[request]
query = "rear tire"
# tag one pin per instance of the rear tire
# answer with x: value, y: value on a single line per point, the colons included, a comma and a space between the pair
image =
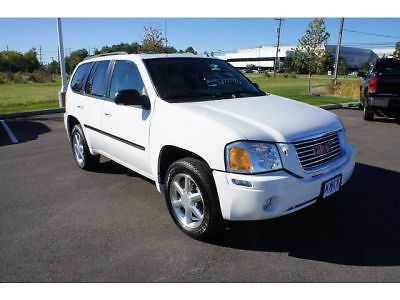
x: 192, y: 199
x: 83, y: 158
x: 368, y: 114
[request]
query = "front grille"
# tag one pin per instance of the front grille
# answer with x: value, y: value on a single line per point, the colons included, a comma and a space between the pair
x: 318, y: 151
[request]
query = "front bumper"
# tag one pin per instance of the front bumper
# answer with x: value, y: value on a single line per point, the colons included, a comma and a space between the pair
x: 286, y: 192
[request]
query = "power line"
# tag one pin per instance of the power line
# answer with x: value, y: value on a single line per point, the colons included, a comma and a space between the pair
x: 373, y: 34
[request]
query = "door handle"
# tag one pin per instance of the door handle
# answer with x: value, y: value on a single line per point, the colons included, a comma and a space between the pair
x: 79, y: 106
x: 107, y: 115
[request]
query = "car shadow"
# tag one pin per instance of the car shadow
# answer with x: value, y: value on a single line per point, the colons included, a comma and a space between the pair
x: 24, y: 130
x: 358, y: 226
x: 110, y: 167
x: 387, y: 120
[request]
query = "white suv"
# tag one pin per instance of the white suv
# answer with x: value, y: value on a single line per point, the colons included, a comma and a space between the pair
x: 217, y: 146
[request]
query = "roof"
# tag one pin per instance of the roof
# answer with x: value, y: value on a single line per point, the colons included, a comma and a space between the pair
x: 141, y: 56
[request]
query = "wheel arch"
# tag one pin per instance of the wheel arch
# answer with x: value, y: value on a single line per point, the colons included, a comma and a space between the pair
x: 71, y: 122
x: 169, y: 154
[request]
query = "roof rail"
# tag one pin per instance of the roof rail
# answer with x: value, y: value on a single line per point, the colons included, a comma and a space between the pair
x: 105, y: 54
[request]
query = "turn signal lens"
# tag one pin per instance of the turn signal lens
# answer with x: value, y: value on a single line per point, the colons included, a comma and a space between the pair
x: 239, y: 159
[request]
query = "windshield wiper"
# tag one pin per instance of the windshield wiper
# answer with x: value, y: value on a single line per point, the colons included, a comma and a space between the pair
x: 190, y: 95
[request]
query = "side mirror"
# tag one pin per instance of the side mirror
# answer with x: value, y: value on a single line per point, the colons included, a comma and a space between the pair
x: 361, y: 74
x: 132, y: 98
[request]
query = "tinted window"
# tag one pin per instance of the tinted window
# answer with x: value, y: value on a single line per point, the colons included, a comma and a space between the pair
x: 196, y: 79
x: 95, y: 84
x: 126, y: 76
x: 388, y: 66
x: 77, y: 81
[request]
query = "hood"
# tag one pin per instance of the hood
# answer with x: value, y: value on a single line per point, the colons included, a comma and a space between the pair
x: 267, y: 118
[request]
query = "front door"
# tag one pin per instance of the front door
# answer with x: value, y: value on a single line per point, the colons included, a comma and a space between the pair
x: 126, y: 128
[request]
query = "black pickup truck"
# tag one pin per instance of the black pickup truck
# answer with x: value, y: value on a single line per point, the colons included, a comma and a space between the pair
x: 380, y: 89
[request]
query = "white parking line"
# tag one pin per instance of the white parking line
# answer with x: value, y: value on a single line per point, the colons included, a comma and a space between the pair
x: 9, y: 132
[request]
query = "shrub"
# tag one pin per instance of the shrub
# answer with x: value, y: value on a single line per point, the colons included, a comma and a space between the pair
x: 3, y: 77
x: 38, y: 76
x: 266, y: 74
x: 20, y: 78
x: 347, y: 88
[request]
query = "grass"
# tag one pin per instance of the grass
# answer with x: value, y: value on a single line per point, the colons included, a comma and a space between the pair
x: 297, y: 88
x: 17, y: 97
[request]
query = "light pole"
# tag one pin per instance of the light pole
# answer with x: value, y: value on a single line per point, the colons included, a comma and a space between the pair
x: 61, y: 94
x: 276, y: 64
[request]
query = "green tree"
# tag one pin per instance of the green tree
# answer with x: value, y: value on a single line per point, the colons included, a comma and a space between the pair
x: 327, y: 63
x: 12, y: 60
x: 52, y: 68
x: 296, y: 62
x: 313, y: 43
x: 129, y: 48
x: 396, y: 52
x: 31, y: 62
x: 152, y: 41
x: 342, y: 66
x: 190, y: 50
x: 75, y: 57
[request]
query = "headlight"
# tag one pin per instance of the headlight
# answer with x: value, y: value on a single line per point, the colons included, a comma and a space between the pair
x: 252, y: 157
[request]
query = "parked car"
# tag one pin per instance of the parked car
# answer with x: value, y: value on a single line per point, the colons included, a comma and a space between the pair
x: 216, y: 146
x: 380, y: 89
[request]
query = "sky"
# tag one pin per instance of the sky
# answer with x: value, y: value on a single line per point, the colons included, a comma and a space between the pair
x: 202, y: 34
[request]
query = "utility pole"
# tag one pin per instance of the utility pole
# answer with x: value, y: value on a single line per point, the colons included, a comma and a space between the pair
x: 8, y: 58
x: 40, y: 55
x: 61, y: 94
x: 338, y: 49
x: 276, y: 64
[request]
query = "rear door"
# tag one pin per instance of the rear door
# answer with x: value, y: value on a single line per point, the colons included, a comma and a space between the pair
x: 126, y: 128
x: 94, y: 91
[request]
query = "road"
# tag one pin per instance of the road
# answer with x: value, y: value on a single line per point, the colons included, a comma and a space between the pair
x: 61, y: 224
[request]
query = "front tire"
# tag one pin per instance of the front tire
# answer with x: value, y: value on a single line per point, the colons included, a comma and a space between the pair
x: 192, y: 199
x: 83, y: 158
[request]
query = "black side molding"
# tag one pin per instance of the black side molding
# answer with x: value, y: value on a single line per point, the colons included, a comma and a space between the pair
x: 140, y: 147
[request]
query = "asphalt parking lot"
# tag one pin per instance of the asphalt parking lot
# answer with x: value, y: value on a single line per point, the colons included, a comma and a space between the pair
x: 61, y: 224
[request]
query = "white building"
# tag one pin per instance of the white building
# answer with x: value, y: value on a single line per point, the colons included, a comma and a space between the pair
x: 384, y: 51
x: 264, y: 56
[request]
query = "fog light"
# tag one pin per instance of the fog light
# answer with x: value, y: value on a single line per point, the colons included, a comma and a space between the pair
x: 242, y: 182
x: 267, y: 203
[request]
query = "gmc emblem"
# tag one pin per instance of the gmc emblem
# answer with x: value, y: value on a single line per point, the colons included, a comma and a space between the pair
x: 322, y: 149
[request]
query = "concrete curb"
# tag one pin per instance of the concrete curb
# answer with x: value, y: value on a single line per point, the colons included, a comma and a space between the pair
x: 33, y: 113
x: 339, y: 105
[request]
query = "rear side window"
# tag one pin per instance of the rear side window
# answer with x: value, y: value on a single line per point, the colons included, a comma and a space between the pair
x: 126, y: 76
x: 78, y: 79
x: 96, y: 83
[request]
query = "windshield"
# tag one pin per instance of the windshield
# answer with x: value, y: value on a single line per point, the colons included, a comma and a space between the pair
x: 198, y: 79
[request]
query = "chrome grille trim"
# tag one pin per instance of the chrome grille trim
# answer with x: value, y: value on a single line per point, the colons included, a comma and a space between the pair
x: 305, y: 150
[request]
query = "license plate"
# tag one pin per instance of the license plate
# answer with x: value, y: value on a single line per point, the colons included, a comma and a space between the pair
x: 331, y: 186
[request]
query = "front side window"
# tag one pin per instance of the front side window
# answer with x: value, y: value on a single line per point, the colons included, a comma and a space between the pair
x: 79, y: 77
x: 96, y: 83
x: 126, y: 76
x: 198, y: 79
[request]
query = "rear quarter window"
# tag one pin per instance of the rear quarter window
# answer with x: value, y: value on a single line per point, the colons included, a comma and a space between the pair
x: 77, y: 82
